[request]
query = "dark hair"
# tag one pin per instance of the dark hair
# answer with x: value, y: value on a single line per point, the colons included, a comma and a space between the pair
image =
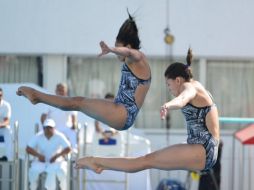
x: 179, y: 69
x: 128, y: 33
x: 109, y: 96
x: 1, y: 90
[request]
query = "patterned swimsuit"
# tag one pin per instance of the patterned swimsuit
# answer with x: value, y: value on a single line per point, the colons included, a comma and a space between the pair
x: 126, y: 94
x: 198, y: 132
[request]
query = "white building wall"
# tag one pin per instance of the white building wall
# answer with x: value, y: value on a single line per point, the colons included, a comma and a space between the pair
x: 211, y: 28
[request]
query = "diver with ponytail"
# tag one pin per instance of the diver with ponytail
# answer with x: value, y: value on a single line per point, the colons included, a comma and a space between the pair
x: 200, y: 113
x: 134, y: 85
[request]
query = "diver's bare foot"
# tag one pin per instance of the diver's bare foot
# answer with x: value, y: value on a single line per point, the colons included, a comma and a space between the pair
x: 88, y: 162
x: 29, y: 93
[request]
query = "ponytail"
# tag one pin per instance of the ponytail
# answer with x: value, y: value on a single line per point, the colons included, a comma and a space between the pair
x: 189, y: 57
x: 178, y: 69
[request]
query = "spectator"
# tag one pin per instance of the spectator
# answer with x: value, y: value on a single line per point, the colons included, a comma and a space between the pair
x: 5, y: 130
x: 49, y: 147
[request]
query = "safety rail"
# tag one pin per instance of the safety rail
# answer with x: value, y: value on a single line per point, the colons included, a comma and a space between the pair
x: 241, y: 120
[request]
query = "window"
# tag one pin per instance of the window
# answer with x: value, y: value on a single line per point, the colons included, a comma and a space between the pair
x: 19, y: 69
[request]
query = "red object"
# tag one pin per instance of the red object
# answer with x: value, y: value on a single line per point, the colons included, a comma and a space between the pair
x: 246, y: 135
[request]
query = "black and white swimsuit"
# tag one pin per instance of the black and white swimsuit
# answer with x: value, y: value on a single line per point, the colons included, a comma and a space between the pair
x: 126, y: 94
x: 198, y: 132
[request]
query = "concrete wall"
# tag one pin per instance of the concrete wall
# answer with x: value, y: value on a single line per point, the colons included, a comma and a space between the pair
x: 211, y: 28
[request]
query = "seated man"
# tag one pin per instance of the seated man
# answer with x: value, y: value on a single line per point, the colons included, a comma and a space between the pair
x: 49, y: 147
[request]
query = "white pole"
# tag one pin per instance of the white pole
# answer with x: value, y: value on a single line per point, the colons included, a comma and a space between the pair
x: 26, y: 168
x: 84, y: 153
x: 16, y: 157
x: 126, y: 155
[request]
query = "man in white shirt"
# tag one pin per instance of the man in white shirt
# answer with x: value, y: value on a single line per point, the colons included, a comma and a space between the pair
x: 66, y: 121
x: 5, y: 130
x: 49, y: 147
